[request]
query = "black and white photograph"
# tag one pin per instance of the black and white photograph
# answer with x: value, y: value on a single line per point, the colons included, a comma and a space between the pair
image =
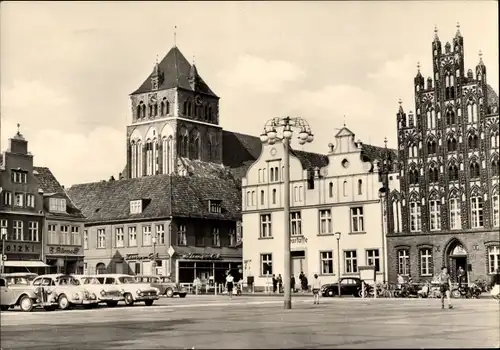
x: 249, y: 175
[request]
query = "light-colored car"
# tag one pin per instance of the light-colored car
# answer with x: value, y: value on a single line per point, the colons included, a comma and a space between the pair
x: 68, y: 290
x: 164, y: 284
x: 106, y: 293
x: 25, y: 296
x: 21, y: 278
x: 132, y: 290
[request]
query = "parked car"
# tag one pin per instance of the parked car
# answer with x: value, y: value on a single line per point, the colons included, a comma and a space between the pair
x: 21, y: 278
x: 164, y: 284
x: 68, y: 290
x: 132, y: 290
x: 25, y: 296
x: 348, y: 286
x: 106, y: 293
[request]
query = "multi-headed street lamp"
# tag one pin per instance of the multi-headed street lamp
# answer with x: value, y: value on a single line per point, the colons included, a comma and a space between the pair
x: 280, y: 129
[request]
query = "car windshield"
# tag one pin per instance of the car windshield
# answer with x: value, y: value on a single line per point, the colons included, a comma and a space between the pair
x: 67, y: 281
x: 128, y: 280
x: 90, y: 280
x: 23, y: 281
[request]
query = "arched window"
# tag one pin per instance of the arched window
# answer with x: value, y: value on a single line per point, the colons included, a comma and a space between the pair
x: 210, y: 113
x: 261, y: 197
x: 167, y: 155
x: 140, y: 169
x: 155, y: 109
x: 209, y: 150
x: 330, y: 189
x: 150, y: 106
x: 133, y: 160
x: 360, y: 187
x: 494, y: 167
x: 453, y: 172
x: 149, y: 158
x: 167, y: 107
x: 431, y: 147
x: 274, y: 196
x: 474, y: 169
x: 473, y: 141
x: 100, y: 269
x: 450, y: 117
x: 143, y: 111
x: 494, y: 139
x: 189, y: 109
x: 194, y: 151
x: 185, y: 108
x: 452, y: 144
x: 139, y: 109
x: 433, y: 174
x: 413, y: 176
x: 183, y: 143
x: 162, y: 108
x: 413, y: 150
x: 344, y: 188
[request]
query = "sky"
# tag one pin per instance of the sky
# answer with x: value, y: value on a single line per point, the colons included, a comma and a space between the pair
x: 67, y: 69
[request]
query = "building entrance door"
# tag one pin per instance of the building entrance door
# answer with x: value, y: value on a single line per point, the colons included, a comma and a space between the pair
x: 299, y: 264
x: 457, y: 258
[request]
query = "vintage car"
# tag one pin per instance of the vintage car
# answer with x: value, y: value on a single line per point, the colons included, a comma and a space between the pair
x: 106, y: 293
x: 21, y: 278
x: 164, y: 284
x: 25, y: 296
x: 68, y: 290
x: 132, y: 290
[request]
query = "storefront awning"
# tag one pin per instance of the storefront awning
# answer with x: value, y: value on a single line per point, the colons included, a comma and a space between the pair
x: 24, y: 263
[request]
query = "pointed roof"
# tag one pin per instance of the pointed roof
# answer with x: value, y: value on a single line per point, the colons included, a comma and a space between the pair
x: 176, y: 71
x: 344, y: 132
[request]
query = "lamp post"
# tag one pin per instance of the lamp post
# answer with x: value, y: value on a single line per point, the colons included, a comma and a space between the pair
x: 270, y: 135
x: 154, y: 255
x: 337, y: 235
x: 3, y: 233
x: 381, y: 195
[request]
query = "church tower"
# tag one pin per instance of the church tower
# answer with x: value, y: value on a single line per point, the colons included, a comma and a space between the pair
x: 175, y: 117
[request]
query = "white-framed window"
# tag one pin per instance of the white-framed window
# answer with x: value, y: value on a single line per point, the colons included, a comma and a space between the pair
x: 52, y: 231
x: 455, y: 218
x: 136, y: 207
x: 232, y: 237
x: 295, y: 224
x: 33, y: 231
x: 373, y: 258
x: 415, y: 217
x: 215, y: 237
x: 265, y: 226
x: 350, y: 261
x: 75, y: 235
x: 4, y: 223
x: 435, y: 215
x: 101, y: 238
x: 404, y: 262
x: 119, y: 237
x: 493, y: 259
x: 496, y: 210
x: 182, y: 235
x: 146, y: 236
x: 19, y: 199
x: 18, y: 230
x: 326, y: 262
x: 19, y: 177
x: 266, y: 264
x: 325, y: 221
x: 57, y: 204
x: 65, y: 237
x: 215, y: 206
x: 160, y: 234
x: 132, y: 236
x: 357, y: 222
x: 476, y: 207
x: 30, y: 200
x: 85, y: 239
x: 426, y: 262
x: 7, y: 198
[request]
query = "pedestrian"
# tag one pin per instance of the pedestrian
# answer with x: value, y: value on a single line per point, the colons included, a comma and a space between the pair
x: 280, y: 283
x: 445, y: 287
x: 460, y: 276
x: 275, y: 283
x: 292, y: 284
x: 304, y: 284
x: 316, y: 286
x: 229, y: 285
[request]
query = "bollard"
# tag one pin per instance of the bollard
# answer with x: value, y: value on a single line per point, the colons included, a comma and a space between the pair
x: 215, y: 288
x: 362, y: 290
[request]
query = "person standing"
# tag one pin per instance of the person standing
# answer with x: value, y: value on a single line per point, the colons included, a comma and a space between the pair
x: 460, y: 276
x: 275, y: 283
x: 316, y: 286
x: 445, y: 287
x: 292, y: 284
x: 230, y: 285
x: 304, y: 284
x: 280, y: 283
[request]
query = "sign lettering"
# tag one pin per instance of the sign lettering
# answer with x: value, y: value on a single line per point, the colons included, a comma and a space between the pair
x: 299, y: 240
x: 22, y: 248
x: 142, y: 257
x: 197, y: 256
x: 64, y: 250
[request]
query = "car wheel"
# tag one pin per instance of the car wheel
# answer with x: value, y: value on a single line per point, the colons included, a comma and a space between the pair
x: 63, y: 302
x: 112, y: 303
x: 4, y: 307
x: 183, y: 295
x: 129, y: 299
x: 26, y: 303
x: 330, y: 293
x: 149, y: 302
x: 456, y: 294
x: 169, y: 293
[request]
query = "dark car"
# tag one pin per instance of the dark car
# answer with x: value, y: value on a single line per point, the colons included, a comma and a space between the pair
x: 348, y: 286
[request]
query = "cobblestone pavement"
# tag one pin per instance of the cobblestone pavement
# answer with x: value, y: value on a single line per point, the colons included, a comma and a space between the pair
x: 215, y: 322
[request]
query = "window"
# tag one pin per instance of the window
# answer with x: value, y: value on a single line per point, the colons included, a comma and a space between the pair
x: 426, y: 262
x: 146, y: 236
x: 493, y: 259
x: 132, y: 236
x: 262, y: 197
x: 344, y: 188
x: 33, y: 231
x: 350, y: 261
x: 75, y: 235
x: 216, y: 206
x: 232, y: 237
x: 496, y: 210
x: 477, y: 219
x: 101, y: 238
x: 431, y: 147
x: 19, y: 199
x: 373, y: 259
x: 136, y: 207
x: 433, y: 174
x: 266, y: 264
x: 455, y: 219
x: 310, y: 179
x: 330, y: 189
x: 325, y: 221
x: 160, y: 234
x: 413, y: 175
x: 52, y: 231
x: 474, y: 169
x: 182, y: 235
x: 19, y: 177
x: 326, y: 262
x: 435, y: 215
x: 265, y: 226
x: 453, y: 173
x: 274, y: 174
x: 473, y: 142
x: 57, y: 204
x: 452, y: 144
x: 119, y: 237
x: 357, y: 224
x: 274, y: 196
x: 295, y: 224
x: 7, y: 198
x: 215, y: 237
x: 494, y: 167
x: 404, y: 262
x: 412, y: 151
x: 494, y: 139
x: 415, y: 217
x: 30, y: 200
x: 450, y: 118
x: 360, y: 187
x: 85, y: 239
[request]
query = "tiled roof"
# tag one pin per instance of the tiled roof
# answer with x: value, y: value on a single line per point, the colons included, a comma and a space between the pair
x: 310, y: 160
x: 49, y: 184
x: 175, y: 71
x: 377, y: 153
x: 164, y: 195
x: 492, y: 96
x: 206, y: 169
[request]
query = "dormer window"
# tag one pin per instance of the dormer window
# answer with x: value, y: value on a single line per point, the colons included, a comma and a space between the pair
x: 57, y: 204
x: 215, y: 206
x: 18, y: 176
x: 136, y: 207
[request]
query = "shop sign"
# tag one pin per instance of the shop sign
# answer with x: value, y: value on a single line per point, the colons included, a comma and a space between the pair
x: 298, y: 240
x: 142, y: 257
x: 21, y: 248
x: 64, y: 250
x: 197, y: 256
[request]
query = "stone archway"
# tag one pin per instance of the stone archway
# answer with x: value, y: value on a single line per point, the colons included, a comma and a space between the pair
x: 455, y: 256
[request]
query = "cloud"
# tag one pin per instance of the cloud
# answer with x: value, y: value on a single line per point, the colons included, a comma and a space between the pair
x: 258, y: 75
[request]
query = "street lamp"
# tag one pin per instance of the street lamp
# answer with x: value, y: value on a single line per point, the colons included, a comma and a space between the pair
x: 154, y: 255
x: 270, y: 135
x: 337, y: 235
x: 3, y: 233
x: 381, y: 194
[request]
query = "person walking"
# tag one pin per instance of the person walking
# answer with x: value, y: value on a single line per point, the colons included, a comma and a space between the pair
x: 316, y: 286
x: 445, y: 287
x: 275, y: 283
x: 280, y: 283
x: 460, y: 276
x: 229, y: 285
